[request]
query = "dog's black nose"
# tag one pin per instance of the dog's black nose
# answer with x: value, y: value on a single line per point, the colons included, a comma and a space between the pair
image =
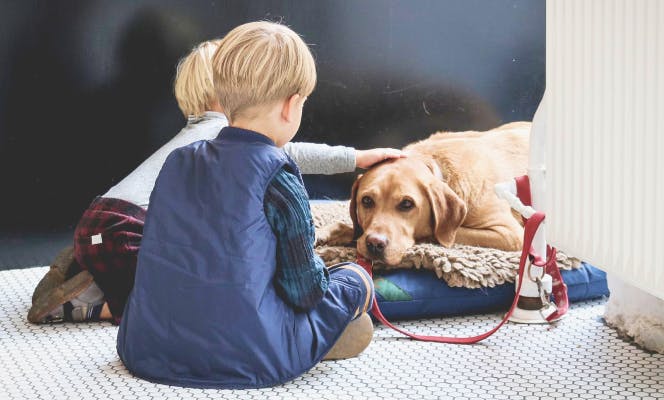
x: 376, y: 244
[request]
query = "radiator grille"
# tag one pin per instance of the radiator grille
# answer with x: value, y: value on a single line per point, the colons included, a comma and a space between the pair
x: 604, y: 146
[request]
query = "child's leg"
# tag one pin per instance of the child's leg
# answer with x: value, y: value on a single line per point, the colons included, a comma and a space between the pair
x: 106, y: 244
x: 359, y: 332
x: 105, y: 312
x: 107, y: 240
x: 350, y: 273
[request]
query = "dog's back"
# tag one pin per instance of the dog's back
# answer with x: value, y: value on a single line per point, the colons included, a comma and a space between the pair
x: 495, y: 155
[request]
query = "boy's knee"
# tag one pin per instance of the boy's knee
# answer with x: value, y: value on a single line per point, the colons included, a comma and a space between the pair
x: 353, y: 271
x: 362, y: 279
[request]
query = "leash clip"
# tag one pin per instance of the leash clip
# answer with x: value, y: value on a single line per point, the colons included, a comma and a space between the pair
x: 546, y: 302
x: 530, y: 275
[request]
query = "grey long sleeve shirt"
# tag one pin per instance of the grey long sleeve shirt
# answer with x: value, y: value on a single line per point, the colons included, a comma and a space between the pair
x: 311, y: 158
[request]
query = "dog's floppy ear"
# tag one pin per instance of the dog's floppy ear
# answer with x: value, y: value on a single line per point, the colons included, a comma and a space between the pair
x: 435, y: 169
x: 448, y: 212
x: 357, y: 229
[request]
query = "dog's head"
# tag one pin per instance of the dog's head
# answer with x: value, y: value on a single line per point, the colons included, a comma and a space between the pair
x: 398, y: 203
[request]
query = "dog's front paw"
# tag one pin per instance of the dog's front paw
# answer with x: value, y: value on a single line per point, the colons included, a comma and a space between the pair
x: 337, y: 234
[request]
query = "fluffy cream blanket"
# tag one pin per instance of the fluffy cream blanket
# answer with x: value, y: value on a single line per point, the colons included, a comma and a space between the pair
x: 460, y: 266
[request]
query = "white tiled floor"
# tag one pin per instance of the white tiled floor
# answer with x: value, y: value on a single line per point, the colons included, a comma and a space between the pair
x: 578, y: 358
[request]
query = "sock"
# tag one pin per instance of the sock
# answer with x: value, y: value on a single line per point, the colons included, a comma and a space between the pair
x: 87, y: 312
x: 86, y: 306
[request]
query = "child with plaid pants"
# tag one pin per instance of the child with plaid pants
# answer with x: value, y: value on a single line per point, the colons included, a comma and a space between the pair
x: 92, y: 280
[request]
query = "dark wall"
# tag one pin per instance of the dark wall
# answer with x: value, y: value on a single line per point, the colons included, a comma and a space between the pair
x: 85, y: 86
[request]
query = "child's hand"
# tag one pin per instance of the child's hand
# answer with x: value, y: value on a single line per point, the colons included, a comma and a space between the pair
x: 366, y: 158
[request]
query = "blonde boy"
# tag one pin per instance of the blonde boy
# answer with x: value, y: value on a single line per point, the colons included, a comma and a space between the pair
x: 228, y: 291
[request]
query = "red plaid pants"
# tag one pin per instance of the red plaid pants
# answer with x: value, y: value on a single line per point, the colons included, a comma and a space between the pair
x: 106, y: 243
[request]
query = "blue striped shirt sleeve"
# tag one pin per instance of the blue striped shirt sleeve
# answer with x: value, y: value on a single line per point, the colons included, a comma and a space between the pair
x: 301, y: 277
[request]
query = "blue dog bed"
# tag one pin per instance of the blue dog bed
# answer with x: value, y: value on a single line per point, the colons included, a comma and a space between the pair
x: 408, y: 293
x: 404, y: 294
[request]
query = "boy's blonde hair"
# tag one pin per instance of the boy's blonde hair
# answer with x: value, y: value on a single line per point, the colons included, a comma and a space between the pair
x: 194, y: 89
x: 259, y: 63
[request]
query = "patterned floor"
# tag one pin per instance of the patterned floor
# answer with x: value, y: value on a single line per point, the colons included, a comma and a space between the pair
x: 578, y: 358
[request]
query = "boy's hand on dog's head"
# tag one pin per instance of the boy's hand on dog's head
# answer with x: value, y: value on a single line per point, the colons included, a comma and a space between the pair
x: 366, y: 158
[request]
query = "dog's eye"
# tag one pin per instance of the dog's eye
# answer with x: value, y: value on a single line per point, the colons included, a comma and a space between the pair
x: 406, y: 205
x: 367, y: 202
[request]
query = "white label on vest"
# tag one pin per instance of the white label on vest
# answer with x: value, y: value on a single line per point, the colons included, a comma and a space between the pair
x: 96, y: 239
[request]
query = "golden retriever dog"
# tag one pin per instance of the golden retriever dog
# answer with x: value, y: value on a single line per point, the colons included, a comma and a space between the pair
x: 443, y: 192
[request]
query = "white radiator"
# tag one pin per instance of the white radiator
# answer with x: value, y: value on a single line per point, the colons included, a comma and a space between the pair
x: 605, y: 135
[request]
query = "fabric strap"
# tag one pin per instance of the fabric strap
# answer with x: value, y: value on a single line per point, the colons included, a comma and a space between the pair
x: 559, y: 288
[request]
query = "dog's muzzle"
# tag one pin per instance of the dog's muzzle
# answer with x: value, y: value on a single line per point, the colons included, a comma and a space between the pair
x: 376, y: 244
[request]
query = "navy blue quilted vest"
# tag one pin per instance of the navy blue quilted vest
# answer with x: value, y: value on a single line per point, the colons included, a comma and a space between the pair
x: 204, y: 311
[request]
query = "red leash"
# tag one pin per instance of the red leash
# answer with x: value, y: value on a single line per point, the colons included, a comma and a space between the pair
x: 560, y: 291
x: 559, y: 288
